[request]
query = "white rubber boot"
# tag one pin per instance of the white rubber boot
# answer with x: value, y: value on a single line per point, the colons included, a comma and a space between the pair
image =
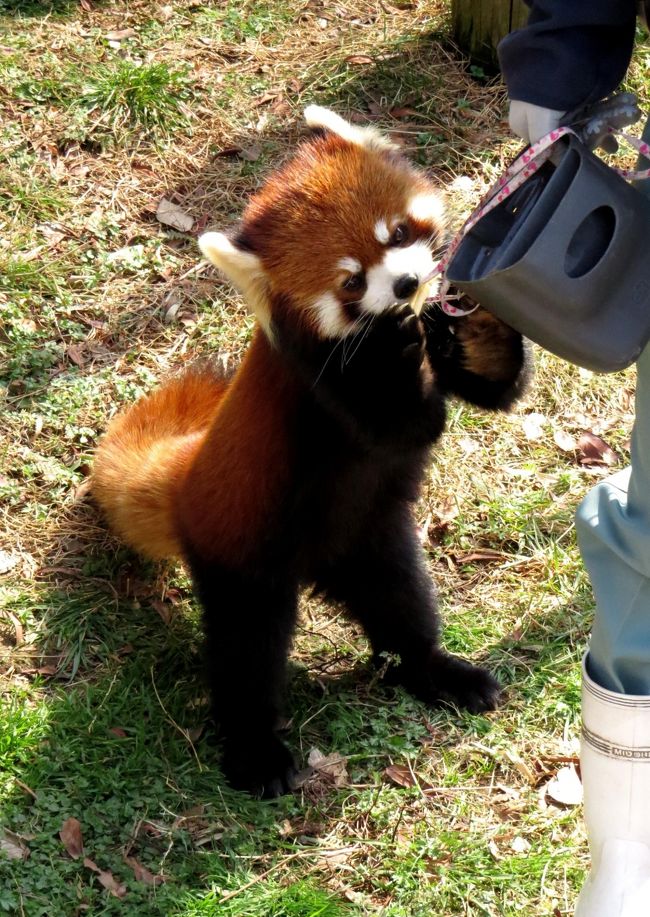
x: 615, y: 766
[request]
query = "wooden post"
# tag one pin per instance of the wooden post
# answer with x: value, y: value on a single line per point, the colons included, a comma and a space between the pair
x: 479, y: 25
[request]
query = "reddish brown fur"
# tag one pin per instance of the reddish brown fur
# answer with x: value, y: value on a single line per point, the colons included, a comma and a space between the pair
x: 343, y: 190
x: 144, y: 455
x: 235, y: 479
x: 199, y: 457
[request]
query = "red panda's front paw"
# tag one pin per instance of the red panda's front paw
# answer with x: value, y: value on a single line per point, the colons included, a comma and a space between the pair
x: 409, y: 336
x: 447, y: 679
x: 396, y: 342
x: 260, y: 765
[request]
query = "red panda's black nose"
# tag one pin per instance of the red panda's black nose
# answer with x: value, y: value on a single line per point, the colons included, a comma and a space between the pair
x: 405, y: 286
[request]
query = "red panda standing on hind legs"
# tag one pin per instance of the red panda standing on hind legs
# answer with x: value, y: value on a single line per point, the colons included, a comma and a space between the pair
x: 303, y: 469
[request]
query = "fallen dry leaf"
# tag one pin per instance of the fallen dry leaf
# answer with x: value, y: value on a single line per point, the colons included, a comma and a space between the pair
x: 404, y: 112
x: 264, y: 99
x: 170, y: 214
x: 593, y: 450
x: 82, y: 491
x: 339, y: 856
x: 107, y: 879
x: 164, y: 609
x: 564, y: 441
x: 566, y: 787
x: 334, y: 765
x: 520, y: 844
x: 468, y: 445
x: 360, y: 59
x: 400, y: 775
x: 494, y: 850
x: 75, y: 354
x: 142, y: 874
x: 521, y: 766
x: 251, y: 153
x: 70, y: 835
x: 120, y: 34
x: 485, y: 555
x: 12, y: 846
x: 19, y: 633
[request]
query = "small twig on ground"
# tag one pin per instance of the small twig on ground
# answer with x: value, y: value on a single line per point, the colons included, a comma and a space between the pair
x: 180, y: 729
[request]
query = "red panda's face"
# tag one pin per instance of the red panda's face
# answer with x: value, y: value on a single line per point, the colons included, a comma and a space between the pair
x: 342, y: 232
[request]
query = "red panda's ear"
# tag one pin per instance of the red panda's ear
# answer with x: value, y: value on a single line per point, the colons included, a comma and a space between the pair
x: 239, y: 264
x: 244, y: 270
x: 368, y: 137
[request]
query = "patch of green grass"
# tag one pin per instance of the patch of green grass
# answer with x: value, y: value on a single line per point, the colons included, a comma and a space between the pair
x: 127, y: 95
x: 235, y: 22
x: 27, y: 197
x: 37, y: 8
x: 300, y: 899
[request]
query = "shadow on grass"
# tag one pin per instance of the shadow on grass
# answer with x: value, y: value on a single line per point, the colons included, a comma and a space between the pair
x: 121, y: 742
x: 35, y: 9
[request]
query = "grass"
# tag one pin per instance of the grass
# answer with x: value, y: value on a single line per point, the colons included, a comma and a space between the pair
x: 102, y: 709
x: 135, y: 95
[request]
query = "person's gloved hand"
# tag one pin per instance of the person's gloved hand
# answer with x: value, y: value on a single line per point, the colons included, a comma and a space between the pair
x: 531, y: 122
x: 594, y: 123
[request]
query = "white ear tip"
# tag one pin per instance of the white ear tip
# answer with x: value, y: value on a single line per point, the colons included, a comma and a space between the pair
x: 317, y: 116
x: 312, y: 113
x: 211, y: 242
x: 367, y: 137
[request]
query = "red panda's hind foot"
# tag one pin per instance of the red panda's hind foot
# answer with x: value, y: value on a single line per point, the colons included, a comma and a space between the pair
x: 444, y: 679
x: 261, y: 765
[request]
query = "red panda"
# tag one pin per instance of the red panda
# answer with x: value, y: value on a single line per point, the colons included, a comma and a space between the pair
x: 302, y: 470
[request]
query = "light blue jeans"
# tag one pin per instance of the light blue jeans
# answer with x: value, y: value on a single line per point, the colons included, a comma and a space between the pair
x: 613, y: 525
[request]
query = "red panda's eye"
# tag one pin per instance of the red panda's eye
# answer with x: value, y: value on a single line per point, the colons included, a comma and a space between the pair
x: 400, y: 235
x: 354, y: 282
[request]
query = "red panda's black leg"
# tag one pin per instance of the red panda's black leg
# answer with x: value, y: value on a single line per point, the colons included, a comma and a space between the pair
x: 384, y: 585
x: 248, y: 623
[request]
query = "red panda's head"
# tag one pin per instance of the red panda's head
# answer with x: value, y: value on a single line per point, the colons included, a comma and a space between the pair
x: 345, y: 229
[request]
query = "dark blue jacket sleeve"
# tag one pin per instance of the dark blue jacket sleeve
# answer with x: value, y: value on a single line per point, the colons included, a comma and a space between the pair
x: 571, y: 51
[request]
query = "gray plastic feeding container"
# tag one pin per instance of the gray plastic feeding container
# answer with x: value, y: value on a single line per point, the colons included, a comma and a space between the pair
x: 566, y: 261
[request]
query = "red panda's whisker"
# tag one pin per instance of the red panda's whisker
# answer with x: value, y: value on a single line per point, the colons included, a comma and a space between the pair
x: 324, y: 366
x: 351, y: 338
x: 361, y: 335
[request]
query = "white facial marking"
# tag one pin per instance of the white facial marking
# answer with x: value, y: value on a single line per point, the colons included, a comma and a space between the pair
x: 350, y: 264
x: 329, y: 315
x: 429, y: 208
x: 413, y: 259
x: 382, y: 235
